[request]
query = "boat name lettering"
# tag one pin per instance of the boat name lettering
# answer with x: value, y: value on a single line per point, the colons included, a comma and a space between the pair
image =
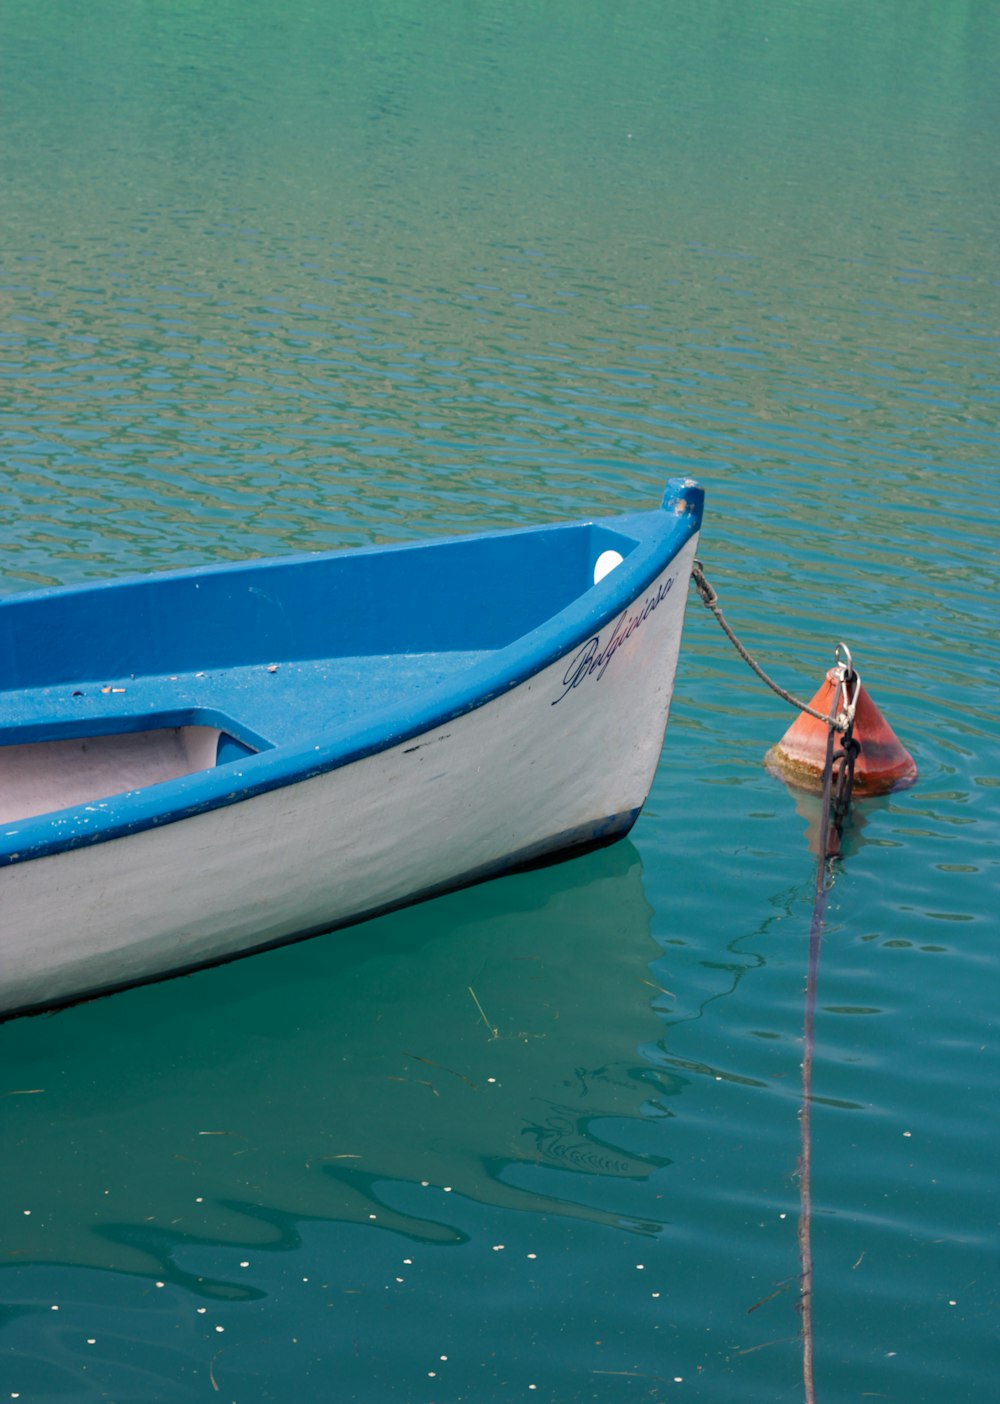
x: 593, y: 660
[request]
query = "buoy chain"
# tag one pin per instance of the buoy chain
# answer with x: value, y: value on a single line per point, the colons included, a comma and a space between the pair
x: 843, y: 788
x: 841, y: 722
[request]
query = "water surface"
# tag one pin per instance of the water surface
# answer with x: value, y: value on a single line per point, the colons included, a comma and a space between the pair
x: 339, y: 274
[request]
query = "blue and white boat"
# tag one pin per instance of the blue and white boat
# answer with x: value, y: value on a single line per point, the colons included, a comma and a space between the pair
x: 203, y: 763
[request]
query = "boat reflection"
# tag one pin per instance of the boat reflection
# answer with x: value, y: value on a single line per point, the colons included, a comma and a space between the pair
x: 484, y: 1044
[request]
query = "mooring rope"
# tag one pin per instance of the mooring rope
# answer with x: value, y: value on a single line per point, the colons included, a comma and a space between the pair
x: 840, y: 722
x: 835, y: 805
x: 838, y: 782
x: 805, y: 1111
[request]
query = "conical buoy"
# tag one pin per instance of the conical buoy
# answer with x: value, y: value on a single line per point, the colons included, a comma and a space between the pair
x: 883, y: 762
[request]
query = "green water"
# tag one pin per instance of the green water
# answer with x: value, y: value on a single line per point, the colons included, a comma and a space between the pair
x: 286, y: 276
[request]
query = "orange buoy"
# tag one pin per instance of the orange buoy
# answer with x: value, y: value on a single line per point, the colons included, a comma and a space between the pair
x: 883, y: 762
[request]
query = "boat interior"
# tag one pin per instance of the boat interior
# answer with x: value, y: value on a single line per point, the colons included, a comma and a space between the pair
x: 115, y: 687
x: 103, y: 740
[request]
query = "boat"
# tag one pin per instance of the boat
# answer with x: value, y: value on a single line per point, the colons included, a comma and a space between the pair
x: 199, y: 764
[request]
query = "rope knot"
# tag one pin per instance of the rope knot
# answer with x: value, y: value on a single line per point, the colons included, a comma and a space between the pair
x: 702, y: 586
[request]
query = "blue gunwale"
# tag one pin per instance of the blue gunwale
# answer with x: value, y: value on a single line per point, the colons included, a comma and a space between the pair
x: 648, y: 541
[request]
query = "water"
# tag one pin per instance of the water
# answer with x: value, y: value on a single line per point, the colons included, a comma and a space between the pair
x: 322, y: 274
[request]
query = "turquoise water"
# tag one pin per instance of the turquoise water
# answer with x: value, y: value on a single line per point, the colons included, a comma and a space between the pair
x: 282, y: 277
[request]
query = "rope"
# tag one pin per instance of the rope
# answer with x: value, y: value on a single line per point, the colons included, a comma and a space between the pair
x: 805, y: 1111
x: 841, y: 722
x: 838, y: 781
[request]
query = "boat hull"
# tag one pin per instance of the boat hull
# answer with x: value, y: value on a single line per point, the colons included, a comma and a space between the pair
x: 562, y: 761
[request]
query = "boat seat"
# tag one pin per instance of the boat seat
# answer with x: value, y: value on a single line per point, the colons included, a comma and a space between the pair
x: 76, y: 742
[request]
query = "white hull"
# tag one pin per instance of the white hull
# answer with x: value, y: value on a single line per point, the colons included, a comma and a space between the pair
x: 537, y: 769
